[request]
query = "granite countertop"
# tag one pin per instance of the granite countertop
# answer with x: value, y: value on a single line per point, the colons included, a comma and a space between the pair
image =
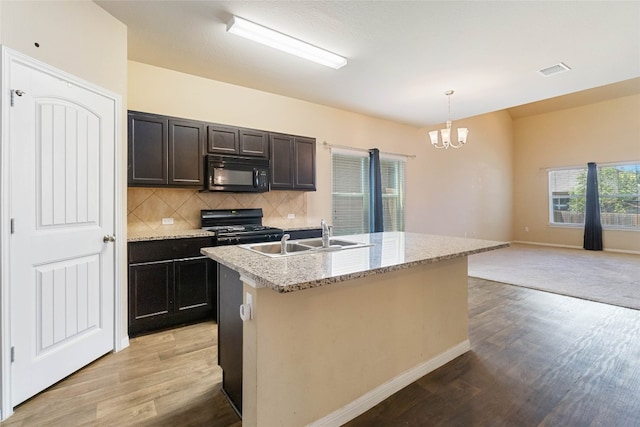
x: 390, y: 251
x: 143, y: 236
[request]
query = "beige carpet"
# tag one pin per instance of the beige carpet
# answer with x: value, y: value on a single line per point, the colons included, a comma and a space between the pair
x: 608, y: 277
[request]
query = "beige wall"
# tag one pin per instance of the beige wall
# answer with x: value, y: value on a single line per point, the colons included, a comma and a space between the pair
x: 474, y: 199
x: 82, y: 39
x: 603, y: 132
x: 466, y: 192
x: 78, y: 37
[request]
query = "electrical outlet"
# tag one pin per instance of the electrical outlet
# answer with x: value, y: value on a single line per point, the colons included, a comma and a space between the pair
x: 526, y: 229
x: 291, y: 216
x: 167, y: 221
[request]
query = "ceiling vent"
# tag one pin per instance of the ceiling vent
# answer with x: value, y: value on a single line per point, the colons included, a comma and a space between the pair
x: 560, y: 67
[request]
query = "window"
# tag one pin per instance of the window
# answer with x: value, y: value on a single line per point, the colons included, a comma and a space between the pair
x: 618, y: 188
x: 350, y: 192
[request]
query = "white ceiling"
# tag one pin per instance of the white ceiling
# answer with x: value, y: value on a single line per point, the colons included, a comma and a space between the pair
x: 403, y: 55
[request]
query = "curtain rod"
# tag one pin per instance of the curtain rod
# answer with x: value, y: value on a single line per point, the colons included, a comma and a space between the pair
x: 326, y: 144
x: 584, y: 166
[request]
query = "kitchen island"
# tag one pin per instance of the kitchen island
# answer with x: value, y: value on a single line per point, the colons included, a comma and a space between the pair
x: 333, y: 333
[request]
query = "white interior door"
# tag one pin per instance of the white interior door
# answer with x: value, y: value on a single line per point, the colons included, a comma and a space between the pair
x: 62, y: 143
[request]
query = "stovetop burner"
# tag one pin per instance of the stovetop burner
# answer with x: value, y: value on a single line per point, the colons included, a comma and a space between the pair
x: 228, y: 229
x: 234, y: 226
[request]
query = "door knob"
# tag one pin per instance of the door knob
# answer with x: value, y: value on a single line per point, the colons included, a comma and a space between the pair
x: 108, y: 239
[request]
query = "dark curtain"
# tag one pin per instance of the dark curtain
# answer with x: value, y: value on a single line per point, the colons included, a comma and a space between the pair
x: 375, y: 193
x: 592, y: 224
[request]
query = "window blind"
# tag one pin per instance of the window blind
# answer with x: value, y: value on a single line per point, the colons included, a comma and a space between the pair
x: 350, y: 192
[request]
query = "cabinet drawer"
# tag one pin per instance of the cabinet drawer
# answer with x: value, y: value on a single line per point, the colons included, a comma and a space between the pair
x: 159, y: 250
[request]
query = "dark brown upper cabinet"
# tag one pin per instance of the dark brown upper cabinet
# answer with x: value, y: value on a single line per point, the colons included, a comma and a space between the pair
x: 164, y: 151
x: 186, y: 142
x: 232, y: 140
x: 148, y: 149
x: 293, y: 162
x: 223, y: 139
x: 254, y: 143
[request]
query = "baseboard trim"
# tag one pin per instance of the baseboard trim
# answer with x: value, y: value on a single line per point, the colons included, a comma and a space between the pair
x: 383, y: 391
x: 553, y: 245
x: 124, y: 343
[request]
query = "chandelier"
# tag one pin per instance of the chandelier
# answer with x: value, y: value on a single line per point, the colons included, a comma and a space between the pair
x: 446, y: 133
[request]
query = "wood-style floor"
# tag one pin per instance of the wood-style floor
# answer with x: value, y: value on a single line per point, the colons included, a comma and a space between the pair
x: 164, y: 379
x: 537, y: 359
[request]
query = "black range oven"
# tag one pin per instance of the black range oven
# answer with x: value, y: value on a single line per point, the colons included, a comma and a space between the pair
x: 238, y: 226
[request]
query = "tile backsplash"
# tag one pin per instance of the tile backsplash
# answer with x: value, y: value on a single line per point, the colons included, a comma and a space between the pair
x: 146, y: 207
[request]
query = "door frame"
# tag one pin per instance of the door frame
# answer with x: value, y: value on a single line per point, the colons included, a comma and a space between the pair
x: 120, y: 338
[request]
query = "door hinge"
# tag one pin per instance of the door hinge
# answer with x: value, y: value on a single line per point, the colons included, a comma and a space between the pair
x: 13, y: 354
x: 13, y: 225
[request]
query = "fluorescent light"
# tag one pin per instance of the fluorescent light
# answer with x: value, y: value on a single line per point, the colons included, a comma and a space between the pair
x: 283, y: 42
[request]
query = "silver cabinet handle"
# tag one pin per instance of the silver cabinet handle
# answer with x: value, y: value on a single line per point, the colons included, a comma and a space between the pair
x: 107, y: 239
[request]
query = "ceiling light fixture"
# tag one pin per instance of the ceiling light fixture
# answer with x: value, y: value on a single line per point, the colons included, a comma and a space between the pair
x: 283, y: 42
x: 446, y: 133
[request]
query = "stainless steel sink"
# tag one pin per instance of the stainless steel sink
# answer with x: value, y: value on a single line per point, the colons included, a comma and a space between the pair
x: 317, y: 242
x: 276, y: 248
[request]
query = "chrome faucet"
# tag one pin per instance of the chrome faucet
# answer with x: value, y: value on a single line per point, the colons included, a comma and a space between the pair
x: 326, y: 234
x: 283, y: 244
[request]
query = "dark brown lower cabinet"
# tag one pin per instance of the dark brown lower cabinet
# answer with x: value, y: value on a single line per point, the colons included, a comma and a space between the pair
x: 170, y: 283
x: 304, y: 234
x: 230, y: 334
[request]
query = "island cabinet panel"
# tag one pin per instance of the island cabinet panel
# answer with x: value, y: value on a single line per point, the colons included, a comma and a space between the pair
x: 170, y: 283
x: 293, y: 162
x: 230, y: 334
x: 164, y: 151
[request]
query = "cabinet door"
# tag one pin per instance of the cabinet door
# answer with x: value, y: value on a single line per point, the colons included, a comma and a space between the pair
x: 150, y: 291
x: 254, y: 143
x: 304, y: 153
x: 186, y: 144
x: 194, y: 279
x: 148, y: 142
x: 223, y: 139
x: 282, y: 166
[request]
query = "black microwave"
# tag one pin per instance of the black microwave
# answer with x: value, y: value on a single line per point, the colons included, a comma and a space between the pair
x: 237, y: 174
